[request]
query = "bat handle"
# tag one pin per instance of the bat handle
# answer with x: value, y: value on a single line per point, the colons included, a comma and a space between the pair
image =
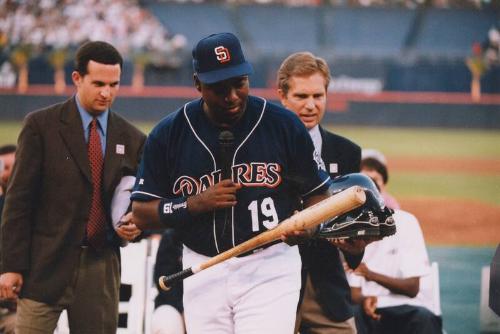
x: 166, y: 282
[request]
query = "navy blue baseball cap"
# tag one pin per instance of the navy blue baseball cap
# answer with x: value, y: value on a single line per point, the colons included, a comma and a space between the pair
x: 219, y: 57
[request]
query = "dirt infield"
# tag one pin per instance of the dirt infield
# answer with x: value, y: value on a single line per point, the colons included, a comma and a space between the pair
x: 456, y: 222
x: 451, y: 221
x: 426, y: 164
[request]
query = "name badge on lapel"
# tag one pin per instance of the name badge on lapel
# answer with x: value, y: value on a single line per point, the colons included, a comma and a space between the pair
x: 334, y: 168
x: 120, y: 149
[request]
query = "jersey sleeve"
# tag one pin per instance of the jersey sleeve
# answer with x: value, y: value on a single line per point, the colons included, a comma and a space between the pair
x: 305, y: 171
x: 152, y: 173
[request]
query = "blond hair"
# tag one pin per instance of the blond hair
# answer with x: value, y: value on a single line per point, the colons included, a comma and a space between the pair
x: 301, y: 64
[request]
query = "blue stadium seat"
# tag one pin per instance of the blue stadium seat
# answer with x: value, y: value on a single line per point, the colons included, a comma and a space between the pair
x: 451, y: 32
x: 194, y: 21
x: 371, y: 32
x: 278, y: 29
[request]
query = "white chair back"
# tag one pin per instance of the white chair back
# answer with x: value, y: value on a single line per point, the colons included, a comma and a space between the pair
x: 489, y: 321
x: 133, y: 262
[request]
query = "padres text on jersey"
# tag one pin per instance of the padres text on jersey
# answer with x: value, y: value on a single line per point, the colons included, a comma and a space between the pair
x: 273, y: 161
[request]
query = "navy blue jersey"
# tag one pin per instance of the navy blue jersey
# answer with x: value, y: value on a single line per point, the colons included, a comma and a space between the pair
x: 272, y: 160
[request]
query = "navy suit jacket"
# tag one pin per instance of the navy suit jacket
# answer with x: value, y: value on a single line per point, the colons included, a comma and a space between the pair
x: 320, y: 259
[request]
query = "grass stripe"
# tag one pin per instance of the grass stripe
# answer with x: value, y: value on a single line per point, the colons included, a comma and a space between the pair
x: 431, y: 142
x: 484, y: 188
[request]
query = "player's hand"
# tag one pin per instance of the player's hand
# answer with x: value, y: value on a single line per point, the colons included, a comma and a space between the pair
x: 354, y: 246
x: 363, y: 270
x: 293, y: 238
x: 370, y: 307
x: 219, y: 196
x: 10, y: 285
x: 127, y: 230
x: 297, y: 237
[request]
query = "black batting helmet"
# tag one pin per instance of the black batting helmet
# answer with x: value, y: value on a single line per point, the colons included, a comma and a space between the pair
x: 371, y: 219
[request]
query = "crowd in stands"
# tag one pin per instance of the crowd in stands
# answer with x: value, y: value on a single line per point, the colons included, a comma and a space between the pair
x: 63, y: 24
x: 358, y: 3
x: 44, y: 33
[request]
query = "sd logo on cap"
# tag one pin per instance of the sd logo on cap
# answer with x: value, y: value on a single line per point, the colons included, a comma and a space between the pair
x: 219, y: 57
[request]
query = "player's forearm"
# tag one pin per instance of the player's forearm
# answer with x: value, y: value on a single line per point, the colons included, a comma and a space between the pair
x: 402, y: 286
x: 161, y: 213
x: 146, y: 214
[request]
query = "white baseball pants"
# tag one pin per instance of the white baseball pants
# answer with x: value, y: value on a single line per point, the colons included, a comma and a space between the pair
x: 255, y: 294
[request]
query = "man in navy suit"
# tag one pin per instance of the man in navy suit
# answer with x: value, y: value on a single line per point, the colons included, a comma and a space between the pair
x: 302, y: 86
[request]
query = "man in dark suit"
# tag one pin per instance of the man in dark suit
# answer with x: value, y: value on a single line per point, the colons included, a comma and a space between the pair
x: 302, y: 86
x: 58, y: 247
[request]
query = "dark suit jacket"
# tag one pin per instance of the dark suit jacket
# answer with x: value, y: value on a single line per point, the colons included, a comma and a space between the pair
x: 2, y: 200
x: 49, y: 196
x: 320, y: 259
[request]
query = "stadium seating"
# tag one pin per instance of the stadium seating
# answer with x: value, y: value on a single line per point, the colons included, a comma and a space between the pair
x: 194, y: 21
x: 450, y: 33
x: 407, y: 50
x: 280, y: 30
x: 368, y: 32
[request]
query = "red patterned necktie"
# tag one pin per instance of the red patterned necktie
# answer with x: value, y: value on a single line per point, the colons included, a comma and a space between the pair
x: 96, y: 226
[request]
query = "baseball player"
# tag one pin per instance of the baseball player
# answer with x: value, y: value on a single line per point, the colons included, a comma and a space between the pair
x: 221, y: 170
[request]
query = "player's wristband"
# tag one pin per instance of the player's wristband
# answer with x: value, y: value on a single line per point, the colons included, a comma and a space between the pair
x: 173, y: 211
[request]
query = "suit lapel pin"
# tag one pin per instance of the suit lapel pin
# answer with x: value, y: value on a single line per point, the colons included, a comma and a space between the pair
x: 120, y: 149
x: 334, y: 168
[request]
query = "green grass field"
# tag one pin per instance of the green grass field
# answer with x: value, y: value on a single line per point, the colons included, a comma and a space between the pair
x: 481, y: 188
x: 411, y: 142
x: 435, y: 143
x: 407, y: 142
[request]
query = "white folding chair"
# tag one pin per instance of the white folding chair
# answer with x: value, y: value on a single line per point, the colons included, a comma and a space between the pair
x: 133, y: 263
x: 62, y: 324
x: 151, y: 291
x: 436, y: 292
x: 489, y: 321
x: 430, y: 290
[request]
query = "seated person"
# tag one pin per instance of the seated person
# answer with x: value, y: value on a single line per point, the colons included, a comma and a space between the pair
x: 374, y: 164
x: 388, y: 286
x: 168, y: 314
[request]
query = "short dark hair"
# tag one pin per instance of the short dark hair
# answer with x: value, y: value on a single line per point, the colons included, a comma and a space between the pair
x: 98, y: 51
x: 376, y: 165
x: 7, y: 149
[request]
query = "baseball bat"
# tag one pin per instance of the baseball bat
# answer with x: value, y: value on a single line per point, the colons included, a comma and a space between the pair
x: 310, y: 217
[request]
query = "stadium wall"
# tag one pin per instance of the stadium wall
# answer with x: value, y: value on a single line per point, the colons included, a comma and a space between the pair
x: 385, y: 109
x: 441, y: 75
